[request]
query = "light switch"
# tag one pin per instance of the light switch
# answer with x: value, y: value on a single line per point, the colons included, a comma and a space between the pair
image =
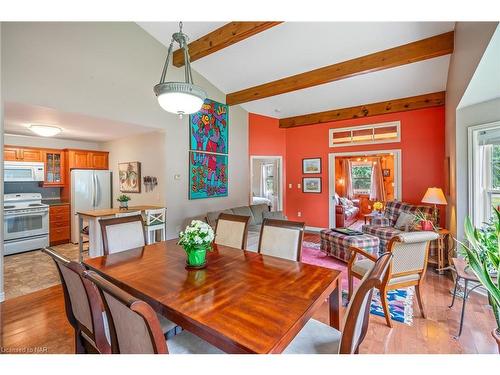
x: 289, y: 186
x: 298, y: 186
x: 177, y: 176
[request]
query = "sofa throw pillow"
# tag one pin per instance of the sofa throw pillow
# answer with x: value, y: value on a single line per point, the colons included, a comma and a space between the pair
x: 344, y: 201
x: 404, y: 221
x: 273, y: 215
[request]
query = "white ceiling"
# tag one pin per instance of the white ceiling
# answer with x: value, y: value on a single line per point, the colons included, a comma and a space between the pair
x: 295, y: 47
x: 485, y: 84
x: 18, y: 117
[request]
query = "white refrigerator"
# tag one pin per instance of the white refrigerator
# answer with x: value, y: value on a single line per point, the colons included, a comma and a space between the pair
x: 90, y: 190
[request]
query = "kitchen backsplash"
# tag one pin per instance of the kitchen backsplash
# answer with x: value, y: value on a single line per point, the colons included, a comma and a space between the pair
x: 31, y: 187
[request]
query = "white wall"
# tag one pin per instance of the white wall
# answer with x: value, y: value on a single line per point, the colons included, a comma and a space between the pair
x: 108, y: 70
x: 43, y: 142
x: 471, y: 40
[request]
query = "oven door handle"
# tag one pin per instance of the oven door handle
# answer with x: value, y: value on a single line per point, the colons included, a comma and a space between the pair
x: 39, y: 213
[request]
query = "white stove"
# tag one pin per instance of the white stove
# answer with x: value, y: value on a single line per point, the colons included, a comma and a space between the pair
x: 26, y: 222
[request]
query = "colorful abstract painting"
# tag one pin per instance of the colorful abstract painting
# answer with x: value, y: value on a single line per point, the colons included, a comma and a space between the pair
x: 207, y: 175
x: 209, y: 128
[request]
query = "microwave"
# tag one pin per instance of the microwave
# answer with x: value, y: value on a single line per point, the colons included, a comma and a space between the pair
x: 21, y: 171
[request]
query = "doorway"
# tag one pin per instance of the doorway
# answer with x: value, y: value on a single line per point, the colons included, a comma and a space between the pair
x: 266, y: 181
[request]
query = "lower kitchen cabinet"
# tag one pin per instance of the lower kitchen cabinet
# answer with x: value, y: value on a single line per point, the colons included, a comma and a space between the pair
x: 59, y: 228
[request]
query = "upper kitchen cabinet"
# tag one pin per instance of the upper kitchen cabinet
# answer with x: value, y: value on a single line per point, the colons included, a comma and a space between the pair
x: 54, y: 168
x: 22, y: 154
x: 82, y: 159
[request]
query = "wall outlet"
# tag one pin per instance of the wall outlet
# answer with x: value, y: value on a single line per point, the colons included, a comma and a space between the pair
x: 289, y: 186
x: 298, y: 186
x: 299, y: 214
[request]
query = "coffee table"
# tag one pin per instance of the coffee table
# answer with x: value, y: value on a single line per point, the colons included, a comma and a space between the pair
x: 370, y: 216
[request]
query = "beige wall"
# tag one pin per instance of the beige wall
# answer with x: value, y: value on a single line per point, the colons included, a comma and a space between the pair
x: 471, y: 40
x: 43, y: 142
x: 150, y: 150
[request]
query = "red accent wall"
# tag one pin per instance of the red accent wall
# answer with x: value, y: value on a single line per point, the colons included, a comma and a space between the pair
x: 422, y: 148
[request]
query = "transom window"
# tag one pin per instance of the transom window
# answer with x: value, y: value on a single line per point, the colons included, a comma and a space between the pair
x: 367, y: 134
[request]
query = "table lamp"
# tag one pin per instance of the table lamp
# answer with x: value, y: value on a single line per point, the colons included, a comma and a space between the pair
x: 434, y: 196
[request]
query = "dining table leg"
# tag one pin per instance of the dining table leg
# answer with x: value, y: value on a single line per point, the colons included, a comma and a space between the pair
x: 335, y: 303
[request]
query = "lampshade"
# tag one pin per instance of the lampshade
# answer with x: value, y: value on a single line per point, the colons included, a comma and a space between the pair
x: 45, y: 130
x: 434, y: 195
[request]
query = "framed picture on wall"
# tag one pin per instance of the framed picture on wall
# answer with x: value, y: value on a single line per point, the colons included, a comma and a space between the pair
x: 386, y: 172
x: 311, y: 184
x: 311, y: 165
x: 129, y: 175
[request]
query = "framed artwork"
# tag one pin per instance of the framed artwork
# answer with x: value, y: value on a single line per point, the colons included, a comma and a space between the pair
x: 311, y: 184
x: 386, y: 172
x: 208, y: 128
x: 311, y: 165
x: 129, y: 175
x: 207, y: 175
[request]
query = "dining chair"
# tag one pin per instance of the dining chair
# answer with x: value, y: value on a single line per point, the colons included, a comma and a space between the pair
x: 154, y: 221
x: 281, y: 238
x: 319, y: 338
x: 232, y: 230
x: 83, y: 305
x: 134, y: 325
x: 410, y: 252
x: 122, y: 233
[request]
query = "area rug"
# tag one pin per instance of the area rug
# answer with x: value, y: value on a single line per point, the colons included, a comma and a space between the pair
x: 400, y: 300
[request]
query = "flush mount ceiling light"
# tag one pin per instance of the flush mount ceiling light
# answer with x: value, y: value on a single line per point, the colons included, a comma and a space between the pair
x: 45, y: 130
x: 179, y: 97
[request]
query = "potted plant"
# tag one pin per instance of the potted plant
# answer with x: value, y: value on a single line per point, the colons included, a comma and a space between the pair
x: 483, y: 256
x: 196, y: 240
x: 422, y: 219
x: 123, y: 199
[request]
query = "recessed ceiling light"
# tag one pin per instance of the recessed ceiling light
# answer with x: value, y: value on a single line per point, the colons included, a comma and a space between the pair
x: 45, y: 130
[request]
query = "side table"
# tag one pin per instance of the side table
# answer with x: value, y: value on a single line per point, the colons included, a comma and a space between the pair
x: 446, y: 245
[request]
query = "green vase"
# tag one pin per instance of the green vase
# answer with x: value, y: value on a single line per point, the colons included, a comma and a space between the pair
x: 196, y: 256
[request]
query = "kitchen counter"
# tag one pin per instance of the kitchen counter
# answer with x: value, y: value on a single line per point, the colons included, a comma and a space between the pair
x: 55, y: 202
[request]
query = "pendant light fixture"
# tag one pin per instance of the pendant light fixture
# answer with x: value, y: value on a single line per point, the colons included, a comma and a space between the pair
x: 179, y: 97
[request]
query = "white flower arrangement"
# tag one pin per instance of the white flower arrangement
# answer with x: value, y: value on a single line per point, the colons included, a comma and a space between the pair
x: 197, y: 234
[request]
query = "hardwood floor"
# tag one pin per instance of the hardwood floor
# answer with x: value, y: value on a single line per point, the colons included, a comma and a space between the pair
x: 37, y: 322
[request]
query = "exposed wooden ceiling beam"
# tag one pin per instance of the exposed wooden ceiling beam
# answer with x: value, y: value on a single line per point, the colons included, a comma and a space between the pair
x: 435, y: 46
x: 396, y: 105
x: 223, y: 37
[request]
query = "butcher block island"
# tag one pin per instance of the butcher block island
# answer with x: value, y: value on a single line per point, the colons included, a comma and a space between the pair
x: 92, y: 217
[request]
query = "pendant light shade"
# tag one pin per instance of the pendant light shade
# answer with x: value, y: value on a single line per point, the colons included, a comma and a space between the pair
x: 179, y: 97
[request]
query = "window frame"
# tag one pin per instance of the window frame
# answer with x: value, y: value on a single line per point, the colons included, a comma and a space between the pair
x: 350, y: 129
x: 361, y: 164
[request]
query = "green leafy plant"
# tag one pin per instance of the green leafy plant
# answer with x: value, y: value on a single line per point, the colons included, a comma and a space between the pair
x: 196, y: 240
x: 420, y: 216
x: 482, y: 253
x: 123, y: 198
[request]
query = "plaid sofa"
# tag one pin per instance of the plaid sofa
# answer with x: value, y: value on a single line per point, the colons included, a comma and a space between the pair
x: 337, y: 244
x: 383, y: 227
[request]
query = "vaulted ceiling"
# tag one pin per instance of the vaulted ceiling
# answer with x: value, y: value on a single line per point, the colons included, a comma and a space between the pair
x: 291, y: 48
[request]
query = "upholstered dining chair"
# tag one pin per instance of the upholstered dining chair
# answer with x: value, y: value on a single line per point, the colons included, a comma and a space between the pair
x: 281, y: 238
x: 410, y: 252
x: 83, y: 305
x: 122, y: 233
x: 319, y: 338
x: 232, y: 230
x: 134, y: 325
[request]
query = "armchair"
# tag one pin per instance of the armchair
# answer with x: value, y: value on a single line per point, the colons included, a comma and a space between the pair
x: 346, y: 216
x: 407, y: 268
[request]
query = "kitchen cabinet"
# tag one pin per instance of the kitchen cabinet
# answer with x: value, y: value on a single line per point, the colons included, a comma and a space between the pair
x: 23, y: 154
x: 81, y: 159
x: 54, y: 168
x: 59, y: 224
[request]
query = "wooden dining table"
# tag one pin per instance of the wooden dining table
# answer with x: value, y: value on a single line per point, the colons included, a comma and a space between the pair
x: 242, y: 302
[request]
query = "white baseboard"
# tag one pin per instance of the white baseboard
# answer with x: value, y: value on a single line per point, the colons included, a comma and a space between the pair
x: 313, y: 229
x: 2, y: 296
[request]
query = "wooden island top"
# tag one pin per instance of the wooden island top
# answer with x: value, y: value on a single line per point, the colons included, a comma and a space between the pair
x: 114, y: 211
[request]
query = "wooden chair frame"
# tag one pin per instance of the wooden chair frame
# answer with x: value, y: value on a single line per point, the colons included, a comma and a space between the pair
x: 138, y: 306
x: 235, y: 218
x: 295, y: 225
x: 96, y: 308
x: 385, y: 287
x: 116, y: 221
x: 374, y: 280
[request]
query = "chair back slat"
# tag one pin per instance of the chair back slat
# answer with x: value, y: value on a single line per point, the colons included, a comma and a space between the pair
x: 120, y: 234
x: 232, y: 230
x: 358, y: 310
x: 134, y: 326
x: 281, y: 238
x: 155, y: 217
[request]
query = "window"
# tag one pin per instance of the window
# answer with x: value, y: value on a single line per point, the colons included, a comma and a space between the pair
x: 363, y: 135
x: 494, y: 180
x: 361, y: 176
